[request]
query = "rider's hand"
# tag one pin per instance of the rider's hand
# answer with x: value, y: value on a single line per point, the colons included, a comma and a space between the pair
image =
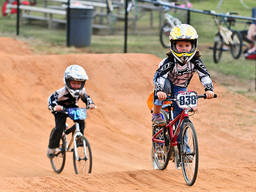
x: 58, y: 108
x: 161, y: 95
x: 92, y: 106
x: 209, y: 94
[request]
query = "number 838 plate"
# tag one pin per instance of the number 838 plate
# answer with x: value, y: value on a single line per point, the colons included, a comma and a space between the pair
x: 187, y: 99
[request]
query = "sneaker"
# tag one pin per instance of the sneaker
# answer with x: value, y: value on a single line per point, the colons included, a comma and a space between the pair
x: 50, y: 153
x: 158, y: 120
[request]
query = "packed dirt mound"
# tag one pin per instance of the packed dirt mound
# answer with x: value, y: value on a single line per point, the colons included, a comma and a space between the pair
x: 14, y: 47
x: 119, y: 130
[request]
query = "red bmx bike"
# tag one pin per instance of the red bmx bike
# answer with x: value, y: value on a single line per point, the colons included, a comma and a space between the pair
x: 165, y: 145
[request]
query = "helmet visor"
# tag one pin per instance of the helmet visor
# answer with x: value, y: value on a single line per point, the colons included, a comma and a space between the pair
x: 76, y: 85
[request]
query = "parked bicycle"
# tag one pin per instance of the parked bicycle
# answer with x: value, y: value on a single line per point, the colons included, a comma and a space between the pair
x: 226, y: 38
x: 165, y: 146
x: 78, y: 145
x: 169, y: 22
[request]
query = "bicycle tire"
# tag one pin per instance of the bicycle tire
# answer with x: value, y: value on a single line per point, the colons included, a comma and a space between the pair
x: 236, y: 48
x: 59, y: 159
x: 84, y: 164
x: 160, y: 152
x: 189, y: 153
x: 217, y: 48
x: 164, y: 35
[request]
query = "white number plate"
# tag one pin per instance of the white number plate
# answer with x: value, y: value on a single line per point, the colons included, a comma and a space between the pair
x: 187, y: 99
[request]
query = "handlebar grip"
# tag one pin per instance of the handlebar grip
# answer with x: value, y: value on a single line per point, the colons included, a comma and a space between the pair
x: 204, y: 96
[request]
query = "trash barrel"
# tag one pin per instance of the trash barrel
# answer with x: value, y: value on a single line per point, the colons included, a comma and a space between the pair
x: 80, y: 27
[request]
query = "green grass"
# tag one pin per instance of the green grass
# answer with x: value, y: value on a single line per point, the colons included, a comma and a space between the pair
x: 144, y: 40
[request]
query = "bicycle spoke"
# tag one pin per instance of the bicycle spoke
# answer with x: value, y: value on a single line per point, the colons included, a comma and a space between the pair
x: 236, y: 46
x: 164, y: 35
x: 189, y: 153
x: 59, y: 158
x: 217, y: 49
x: 83, y: 160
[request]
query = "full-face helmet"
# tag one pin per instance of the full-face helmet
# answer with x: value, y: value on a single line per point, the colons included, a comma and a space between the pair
x: 183, y: 32
x: 75, y: 73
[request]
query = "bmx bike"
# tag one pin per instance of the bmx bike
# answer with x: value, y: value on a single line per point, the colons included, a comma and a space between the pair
x: 169, y: 22
x: 165, y: 145
x: 226, y: 38
x: 82, y: 153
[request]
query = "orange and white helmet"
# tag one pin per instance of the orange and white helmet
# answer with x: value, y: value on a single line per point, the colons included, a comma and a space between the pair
x: 183, y: 32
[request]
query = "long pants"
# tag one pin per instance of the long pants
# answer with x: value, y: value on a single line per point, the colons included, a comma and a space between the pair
x: 60, y: 126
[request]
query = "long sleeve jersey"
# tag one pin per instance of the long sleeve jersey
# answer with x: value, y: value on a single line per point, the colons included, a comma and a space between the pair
x: 64, y: 98
x: 180, y: 75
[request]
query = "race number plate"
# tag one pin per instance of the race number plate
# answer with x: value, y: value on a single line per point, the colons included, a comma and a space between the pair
x: 77, y: 113
x: 187, y: 99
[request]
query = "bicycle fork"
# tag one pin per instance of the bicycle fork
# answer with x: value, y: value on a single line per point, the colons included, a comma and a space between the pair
x: 77, y: 135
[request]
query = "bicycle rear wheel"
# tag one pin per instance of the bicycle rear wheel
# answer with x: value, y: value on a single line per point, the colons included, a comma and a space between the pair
x: 59, y: 158
x: 189, y: 153
x: 83, y: 162
x: 237, y: 44
x: 217, y: 48
x: 160, y: 151
x: 164, y: 35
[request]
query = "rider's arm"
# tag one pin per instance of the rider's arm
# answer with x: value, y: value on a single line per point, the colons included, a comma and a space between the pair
x: 161, y: 73
x: 86, y: 98
x: 53, y: 99
x: 203, y: 74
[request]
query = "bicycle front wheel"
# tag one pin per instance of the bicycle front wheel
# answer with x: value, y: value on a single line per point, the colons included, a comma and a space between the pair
x: 83, y: 160
x: 217, y: 48
x: 59, y: 158
x: 237, y: 44
x: 164, y: 36
x: 189, y: 153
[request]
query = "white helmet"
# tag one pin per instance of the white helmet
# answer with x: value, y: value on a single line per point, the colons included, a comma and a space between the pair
x: 74, y: 73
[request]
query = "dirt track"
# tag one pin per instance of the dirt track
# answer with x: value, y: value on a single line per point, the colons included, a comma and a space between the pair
x: 119, y: 130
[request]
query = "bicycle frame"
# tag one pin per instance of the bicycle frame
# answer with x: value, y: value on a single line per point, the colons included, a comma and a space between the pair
x: 224, y: 28
x: 173, y: 136
x: 172, y: 21
x: 224, y: 31
x: 73, y: 140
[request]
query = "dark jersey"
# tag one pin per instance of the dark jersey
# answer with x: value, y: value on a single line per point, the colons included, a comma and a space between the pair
x: 64, y: 98
x: 180, y: 75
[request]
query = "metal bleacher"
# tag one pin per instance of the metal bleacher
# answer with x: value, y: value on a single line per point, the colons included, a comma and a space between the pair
x: 104, y: 16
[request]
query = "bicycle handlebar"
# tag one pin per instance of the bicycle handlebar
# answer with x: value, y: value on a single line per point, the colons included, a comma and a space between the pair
x: 204, y: 96
x: 171, y: 98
